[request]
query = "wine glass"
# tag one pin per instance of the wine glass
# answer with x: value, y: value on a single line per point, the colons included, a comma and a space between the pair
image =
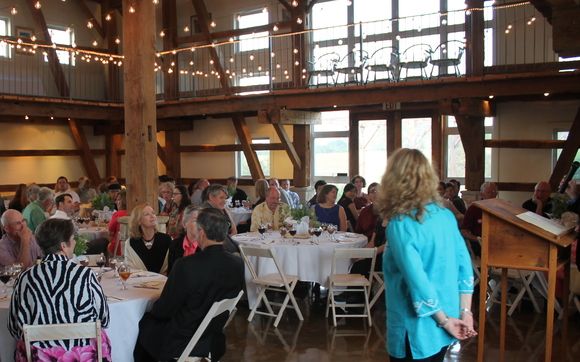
x: 283, y: 231
x: 331, y: 230
x: 124, y: 273
x: 101, y: 261
x: 5, y: 276
x: 317, y: 233
x: 262, y: 230
x: 292, y: 232
x: 311, y: 233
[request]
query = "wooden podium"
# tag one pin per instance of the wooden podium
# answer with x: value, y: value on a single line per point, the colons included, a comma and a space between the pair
x: 511, y: 243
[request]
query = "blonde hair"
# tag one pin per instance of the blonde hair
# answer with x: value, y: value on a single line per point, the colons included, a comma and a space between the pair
x: 408, y: 185
x: 135, y: 221
x: 261, y: 186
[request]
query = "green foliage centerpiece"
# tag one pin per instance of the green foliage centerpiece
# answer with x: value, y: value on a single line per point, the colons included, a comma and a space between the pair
x: 102, y: 200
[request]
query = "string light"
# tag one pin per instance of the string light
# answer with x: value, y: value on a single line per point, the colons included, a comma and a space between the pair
x: 156, y: 2
x: 162, y: 33
x: 33, y: 37
x: 37, y: 5
x: 117, y: 41
x: 294, y: 3
x: 212, y: 24
x: 95, y: 43
x: 186, y: 29
x: 132, y: 9
x: 13, y: 11
x: 108, y: 17
x: 89, y: 24
x: 275, y: 28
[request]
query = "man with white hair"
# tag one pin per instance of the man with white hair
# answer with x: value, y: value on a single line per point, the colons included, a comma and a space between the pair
x: 18, y: 244
x: 272, y: 211
x: 471, y: 225
x: 37, y: 211
x: 541, y: 202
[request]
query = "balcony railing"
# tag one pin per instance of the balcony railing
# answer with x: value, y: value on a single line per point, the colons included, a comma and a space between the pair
x: 420, y: 47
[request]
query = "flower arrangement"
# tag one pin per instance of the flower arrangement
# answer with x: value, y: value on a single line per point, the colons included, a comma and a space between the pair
x: 301, y: 211
x: 559, y: 204
x: 102, y: 200
x: 81, y: 245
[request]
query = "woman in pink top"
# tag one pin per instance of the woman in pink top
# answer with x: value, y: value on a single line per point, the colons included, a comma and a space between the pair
x: 115, y: 247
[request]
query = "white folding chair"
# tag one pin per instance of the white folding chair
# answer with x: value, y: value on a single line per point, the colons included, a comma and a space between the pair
x: 278, y: 282
x: 378, y: 284
x: 216, y: 309
x: 55, y: 332
x: 350, y: 283
x: 521, y: 280
x: 575, y: 285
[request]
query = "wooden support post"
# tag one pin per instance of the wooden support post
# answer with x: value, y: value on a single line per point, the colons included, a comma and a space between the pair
x: 474, y: 27
x: 437, y: 144
x: 472, y: 133
x: 113, y: 144
x: 246, y: 141
x: 568, y: 153
x: 353, y: 146
x: 86, y: 156
x: 173, y: 154
x: 302, y: 144
x: 394, y: 140
x: 140, y: 108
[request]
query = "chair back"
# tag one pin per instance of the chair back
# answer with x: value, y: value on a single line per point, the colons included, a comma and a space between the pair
x: 216, y: 309
x: 354, y: 253
x: 326, y: 61
x: 388, y: 55
x: 417, y: 53
x: 259, y: 252
x: 451, y: 50
x: 55, y: 332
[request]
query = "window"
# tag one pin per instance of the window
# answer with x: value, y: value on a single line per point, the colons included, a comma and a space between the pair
x: 562, y: 136
x: 253, y: 41
x: 411, y: 14
x: 330, y: 147
x: 4, y: 30
x: 372, y: 149
x: 329, y: 14
x: 263, y: 158
x: 62, y: 36
x: 416, y: 133
x: 254, y: 80
x: 455, y: 165
x: 373, y: 13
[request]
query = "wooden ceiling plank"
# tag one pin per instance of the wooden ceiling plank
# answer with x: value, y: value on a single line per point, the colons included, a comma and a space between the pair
x: 568, y: 153
x: 245, y: 138
x: 86, y: 155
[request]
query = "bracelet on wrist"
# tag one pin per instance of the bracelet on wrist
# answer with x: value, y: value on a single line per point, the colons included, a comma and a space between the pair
x: 444, y: 323
x: 465, y: 311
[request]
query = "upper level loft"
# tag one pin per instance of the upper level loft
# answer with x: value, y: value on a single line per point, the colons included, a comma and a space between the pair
x: 219, y: 48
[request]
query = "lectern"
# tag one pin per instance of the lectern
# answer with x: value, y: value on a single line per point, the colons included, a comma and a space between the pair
x: 511, y: 243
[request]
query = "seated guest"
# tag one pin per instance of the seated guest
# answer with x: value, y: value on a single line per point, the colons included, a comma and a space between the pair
x: 454, y: 197
x: 367, y: 220
x: 114, y: 247
x: 186, y: 243
x: 58, y: 291
x: 284, y: 197
x: 20, y: 199
x: 471, y: 225
x: 17, y: 245
x: 317, y: 187
x: 216, y: 198
x: 541, y: 202
x: 36, y: 212
x: 85, y: 191
x: 147, y: 248
x: 347, y: 202
x: 377, y: 240
x: 360, y: 198
x: 65, y: 207
x: 164, y: 198
x: 442, y: 189
x: 197, y: 190
x: 293, y: 196
x: 62, y: 186
x: 195, y: 283
x: 180, y: 201
x: 326, y: 209
x: 261, y: 187
x: 271, y: 212
x: 234, y: 192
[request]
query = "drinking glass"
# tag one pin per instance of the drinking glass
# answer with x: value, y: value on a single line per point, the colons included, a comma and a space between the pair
x: 317, y: 233
x: 283, y: 231
x: 262, y: 230
x: 101, y: 261
x: 5, y: 276
x: 292, y: 233
x: 331, y: 230
x: 124, y: 273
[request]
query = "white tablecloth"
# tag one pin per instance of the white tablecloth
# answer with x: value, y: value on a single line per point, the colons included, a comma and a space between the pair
x: 309, y: 260
x: 240, y: 214
x: 126, y: 307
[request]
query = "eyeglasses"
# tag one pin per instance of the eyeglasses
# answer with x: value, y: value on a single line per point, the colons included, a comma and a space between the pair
x: 177, y: 194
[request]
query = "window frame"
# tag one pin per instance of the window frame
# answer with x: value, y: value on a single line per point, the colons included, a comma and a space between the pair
x: 7, y: 53
x: 240, y: 154
x: 67, y: 29
x: 239, y: 48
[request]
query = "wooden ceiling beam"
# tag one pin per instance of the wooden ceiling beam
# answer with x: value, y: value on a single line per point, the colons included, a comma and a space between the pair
x: 245, y: 138
x: 203, y: 16
x: 53, y: 62
x: 471, y: 87
x: 287, y: 142
x: 60, y: 109
x: 83, y: 146
x: 568, y: 153
x: 532, y: 144
x: 89, y: 14
x: 201, y: 39
x: 44, y: 153
x: 285, y: 4
x: 232, y: 148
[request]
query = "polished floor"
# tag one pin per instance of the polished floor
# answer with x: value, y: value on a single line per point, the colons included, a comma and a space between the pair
x: 315, y: 339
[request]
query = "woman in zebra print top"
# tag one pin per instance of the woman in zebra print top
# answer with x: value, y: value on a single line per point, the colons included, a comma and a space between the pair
x: 57, y: 291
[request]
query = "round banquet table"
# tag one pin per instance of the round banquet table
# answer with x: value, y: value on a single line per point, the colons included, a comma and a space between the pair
x: 240, y: 214
x: 94, y: 232
x: 126, y: 307
x: 308, y: 258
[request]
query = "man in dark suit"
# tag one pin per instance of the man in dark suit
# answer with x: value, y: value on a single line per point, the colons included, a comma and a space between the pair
x: 194, y: 284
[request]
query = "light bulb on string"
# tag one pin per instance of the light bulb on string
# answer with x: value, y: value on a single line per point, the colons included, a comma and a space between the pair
x: 162, y: 33
x: 33, y: 37
x: 212, y: 24
x: 294, y: 3
x: 89, y: 24
x: 117, y: 41
x: 37, y: 5
x: 299, y: 20
x: 108, y: 17
x: 275, y: 28
x: 186, y: 29
x: 13, y: 11
x: 132, y: 9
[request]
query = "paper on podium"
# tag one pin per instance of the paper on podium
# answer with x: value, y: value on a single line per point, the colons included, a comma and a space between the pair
x: 549, y: 225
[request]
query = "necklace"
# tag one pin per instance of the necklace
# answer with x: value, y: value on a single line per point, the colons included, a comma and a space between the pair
x: 148, y: 243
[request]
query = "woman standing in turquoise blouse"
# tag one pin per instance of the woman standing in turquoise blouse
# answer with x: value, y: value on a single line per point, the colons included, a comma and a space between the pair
x: 426, y: 265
